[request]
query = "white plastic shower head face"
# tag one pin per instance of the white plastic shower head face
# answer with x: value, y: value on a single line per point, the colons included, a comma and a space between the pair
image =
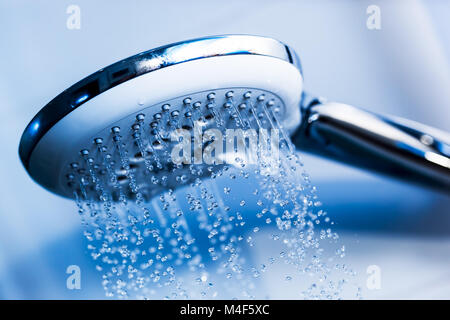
x: 149, y: 91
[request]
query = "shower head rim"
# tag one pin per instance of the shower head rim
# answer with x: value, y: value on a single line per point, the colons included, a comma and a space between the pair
x: 144, y: 63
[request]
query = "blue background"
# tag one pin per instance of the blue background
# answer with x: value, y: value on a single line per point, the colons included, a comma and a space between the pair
x: 402, y: 69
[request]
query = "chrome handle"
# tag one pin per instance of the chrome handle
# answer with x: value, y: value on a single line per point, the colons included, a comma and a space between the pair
x: 392, y: 146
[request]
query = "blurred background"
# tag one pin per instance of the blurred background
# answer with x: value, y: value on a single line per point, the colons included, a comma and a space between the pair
x: 401, y: 69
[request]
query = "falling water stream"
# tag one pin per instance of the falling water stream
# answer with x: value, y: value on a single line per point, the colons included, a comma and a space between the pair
x: 207, y: 232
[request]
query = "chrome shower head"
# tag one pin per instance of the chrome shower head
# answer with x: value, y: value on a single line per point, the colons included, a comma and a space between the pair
x: 113, y: 125
x: 84, y: 130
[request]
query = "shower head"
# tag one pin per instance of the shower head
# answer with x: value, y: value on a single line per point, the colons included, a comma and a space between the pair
x: 144, y: 92
x: 113, y: 125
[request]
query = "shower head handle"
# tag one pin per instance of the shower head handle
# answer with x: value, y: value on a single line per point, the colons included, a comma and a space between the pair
x: 392, y: 146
